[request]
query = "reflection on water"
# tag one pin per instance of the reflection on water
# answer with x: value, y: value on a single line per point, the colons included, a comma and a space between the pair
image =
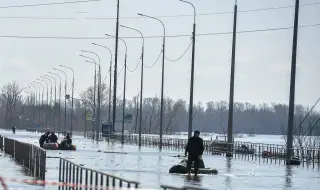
x: 139, y: 165
x: 228, y: 171
x: 288, y: 182
x: 193, y: 180
x: 159, y: 168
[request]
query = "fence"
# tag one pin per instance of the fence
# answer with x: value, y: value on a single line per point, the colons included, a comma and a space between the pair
x: 167, y: 187
x: 272, y: 153
x: 28, y: 155
x: 71, y: 173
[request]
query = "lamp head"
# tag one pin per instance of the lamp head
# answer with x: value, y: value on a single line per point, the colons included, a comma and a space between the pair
x: 93, y: 44
x: 141, y: 14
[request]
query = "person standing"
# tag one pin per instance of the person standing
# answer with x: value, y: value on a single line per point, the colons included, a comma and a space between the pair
x: 195, y: 150
x: 13, y: 129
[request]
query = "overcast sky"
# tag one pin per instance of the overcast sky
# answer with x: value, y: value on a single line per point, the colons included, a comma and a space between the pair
x: 262, y: 59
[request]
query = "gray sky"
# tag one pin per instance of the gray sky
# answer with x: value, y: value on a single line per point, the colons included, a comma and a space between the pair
x: 262, y: 60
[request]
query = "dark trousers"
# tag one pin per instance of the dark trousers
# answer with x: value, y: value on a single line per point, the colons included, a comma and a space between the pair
x: 195, y: 160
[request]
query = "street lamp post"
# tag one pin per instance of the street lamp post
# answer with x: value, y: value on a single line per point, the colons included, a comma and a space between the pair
x: 124, y: 88
x: 72, y: 93
x: 98, y: 123
x: 162, y: 75
x: 34, y: 102
x: 94, y: 92
x: 110, y: 81
x: 55, y: 100
x: 192, y: 69
x: 42, y: 99
x: 59, y: 122
x: 39, y: 102
x: 46, y: 110
x: 50, y: 104
x: 141, y: 82
x: 65, y: 100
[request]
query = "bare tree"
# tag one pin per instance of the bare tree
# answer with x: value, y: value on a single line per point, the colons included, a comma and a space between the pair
x: 11, y: 95
x: 305, y: 125
x: 87, y: 95
x: 173, y: 113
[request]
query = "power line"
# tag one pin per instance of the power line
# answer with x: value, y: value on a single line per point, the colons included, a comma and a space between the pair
x: 153, y: 37
x: 183, y: 54
x: 47, y: 4
x: 214, y: 13
x: 136, y: 17
x: 131, y: 71
x: 149, y: 67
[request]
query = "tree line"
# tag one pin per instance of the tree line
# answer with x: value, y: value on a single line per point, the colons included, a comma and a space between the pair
x: 207, y: 117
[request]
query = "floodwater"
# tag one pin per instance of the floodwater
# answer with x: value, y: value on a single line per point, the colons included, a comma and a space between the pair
x: 150, y: 167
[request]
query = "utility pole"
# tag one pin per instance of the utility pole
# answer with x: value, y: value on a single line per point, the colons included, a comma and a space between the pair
x: 292, y: 86
x: 65, y: 108
x: 98, y: 123
x: 72, y: 104
x: 115, y: 71
x: 94, y: 103
x: 55, y: 101
x: 231, y: 95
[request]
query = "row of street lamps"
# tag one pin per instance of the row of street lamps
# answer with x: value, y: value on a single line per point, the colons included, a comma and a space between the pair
x: 36, y: 85
x: 97, y: 111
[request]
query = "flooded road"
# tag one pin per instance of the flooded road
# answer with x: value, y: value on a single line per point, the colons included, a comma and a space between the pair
x: 150, y: 167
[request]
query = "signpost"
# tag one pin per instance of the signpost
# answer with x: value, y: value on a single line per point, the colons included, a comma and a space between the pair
x: 89, y: 117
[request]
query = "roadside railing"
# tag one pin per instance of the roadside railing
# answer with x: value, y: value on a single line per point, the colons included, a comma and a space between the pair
x: 273, y: 153
x: 71, y: 173
x: 167, y: 187
x: 28, y: 155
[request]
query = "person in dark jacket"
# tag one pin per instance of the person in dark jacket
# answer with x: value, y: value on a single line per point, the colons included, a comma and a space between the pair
x: 13, y: 129
x: 67, y: 141
x: 195, y: 150
x: 43, y: 138
x: 52, y: 138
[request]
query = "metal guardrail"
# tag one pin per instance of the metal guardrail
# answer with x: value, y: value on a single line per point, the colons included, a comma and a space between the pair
x: 70, y: 172
x: 273, y: 153
x: 28, y: 155
x: 167, y: 187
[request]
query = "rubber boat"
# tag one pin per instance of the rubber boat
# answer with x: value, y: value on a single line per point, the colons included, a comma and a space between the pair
x: 181, y: 168
x: 56, y: 146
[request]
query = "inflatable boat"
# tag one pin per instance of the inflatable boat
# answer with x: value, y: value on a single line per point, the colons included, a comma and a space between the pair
x: 56, y: 146
x: 181, y: 168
